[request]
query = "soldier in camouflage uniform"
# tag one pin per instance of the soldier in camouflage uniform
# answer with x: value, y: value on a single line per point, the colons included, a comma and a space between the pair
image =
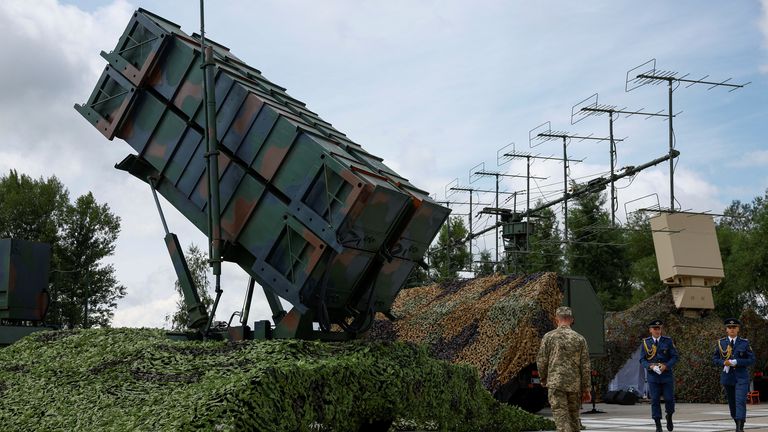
x: 563, y: 363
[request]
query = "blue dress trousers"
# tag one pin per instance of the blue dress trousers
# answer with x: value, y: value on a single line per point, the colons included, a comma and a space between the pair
x: 662, y: 352
x: 736, y: 380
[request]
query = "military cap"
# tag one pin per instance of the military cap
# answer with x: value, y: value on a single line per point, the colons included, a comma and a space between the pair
x: 732, y: 322
x: 564, y: 311
x: 656, y: 323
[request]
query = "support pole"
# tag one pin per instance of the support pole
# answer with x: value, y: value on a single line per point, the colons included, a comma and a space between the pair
x: 565, y: 189
x: 214, y: 213
x: 527, y: 200
x: 497, y: 220
x: 613, y: 168
x: 671, y: 159
x: 471, y: 254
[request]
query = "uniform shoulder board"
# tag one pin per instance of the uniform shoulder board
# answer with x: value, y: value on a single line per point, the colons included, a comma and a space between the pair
x: 722, y: 339
x: 744, y: 339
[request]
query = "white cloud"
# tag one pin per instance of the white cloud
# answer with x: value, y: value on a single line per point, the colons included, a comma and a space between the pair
x: 757, y: 158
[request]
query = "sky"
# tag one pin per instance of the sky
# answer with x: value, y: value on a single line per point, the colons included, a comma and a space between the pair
x: 433, y: 87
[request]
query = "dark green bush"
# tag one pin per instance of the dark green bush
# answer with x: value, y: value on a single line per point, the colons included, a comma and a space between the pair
x: 137, y: 379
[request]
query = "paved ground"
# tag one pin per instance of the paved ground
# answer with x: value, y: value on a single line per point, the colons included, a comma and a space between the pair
x: 688, y: 418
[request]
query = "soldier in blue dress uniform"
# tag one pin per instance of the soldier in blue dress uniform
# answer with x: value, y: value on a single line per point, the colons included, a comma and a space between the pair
x: 658, y: 358
x: 734, y: 355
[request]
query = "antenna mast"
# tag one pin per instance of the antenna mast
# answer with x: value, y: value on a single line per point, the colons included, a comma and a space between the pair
x: 591, y: 107
x: 647, y: 74
x: 543, y: 133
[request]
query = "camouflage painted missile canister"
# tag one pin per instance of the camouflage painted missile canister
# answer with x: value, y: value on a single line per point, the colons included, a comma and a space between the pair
x: 305, y: 210
x: 24, y: 269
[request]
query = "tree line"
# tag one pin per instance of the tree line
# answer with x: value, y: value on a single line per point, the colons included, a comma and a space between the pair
x: 83, y: 289
x: 619, y: 260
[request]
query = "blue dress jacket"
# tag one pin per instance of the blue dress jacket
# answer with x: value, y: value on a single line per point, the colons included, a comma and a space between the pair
x: 664, y: 352
x: 743, y: 355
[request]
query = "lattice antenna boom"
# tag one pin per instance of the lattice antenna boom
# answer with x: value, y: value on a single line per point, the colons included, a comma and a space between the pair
x: 647, y: 74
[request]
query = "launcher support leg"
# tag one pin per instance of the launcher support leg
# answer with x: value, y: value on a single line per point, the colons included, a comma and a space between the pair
x: 198, y: 316
x: 294, y: 325
x: 278, y: 313
x: 247, y: 304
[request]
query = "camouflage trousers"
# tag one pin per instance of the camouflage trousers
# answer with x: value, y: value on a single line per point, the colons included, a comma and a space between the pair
x: 565, y: 410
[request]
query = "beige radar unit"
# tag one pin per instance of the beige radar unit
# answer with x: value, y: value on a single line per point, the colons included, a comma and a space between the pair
x: 688, y: 258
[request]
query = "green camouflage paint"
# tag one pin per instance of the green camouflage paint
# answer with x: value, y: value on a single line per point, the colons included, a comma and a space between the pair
x: 306, y: 211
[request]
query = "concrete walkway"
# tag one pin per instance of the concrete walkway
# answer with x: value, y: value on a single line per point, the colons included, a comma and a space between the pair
x: 687, y: 418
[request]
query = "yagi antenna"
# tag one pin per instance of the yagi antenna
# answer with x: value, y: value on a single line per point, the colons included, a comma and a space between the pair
x: 450, y: 188
x: 648, y: 74
x: 544, y: 133
x: 591, y: 106
x: 474, y: 177
x: 501, y: 155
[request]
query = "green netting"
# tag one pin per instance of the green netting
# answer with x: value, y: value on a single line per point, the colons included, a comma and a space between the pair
x: 138, y: 380
x: 494, y: 324
x: 696, y: 379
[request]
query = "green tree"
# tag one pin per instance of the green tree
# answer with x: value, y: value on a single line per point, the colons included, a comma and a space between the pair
x: 485, y: 267
x: 89, y: 233
x: 31, y: 209
x: 743, y: 239
x: 81, y: 233
x: 596, y: 250
x: 644, y: 271
x: 450, y: 254
x: 197, y: 261
x: 545, y: 244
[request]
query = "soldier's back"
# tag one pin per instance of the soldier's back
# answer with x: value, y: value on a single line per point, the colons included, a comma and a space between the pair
x: 565, y: 351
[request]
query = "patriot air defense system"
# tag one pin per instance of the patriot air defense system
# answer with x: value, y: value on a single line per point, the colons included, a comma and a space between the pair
x: 309, y: 214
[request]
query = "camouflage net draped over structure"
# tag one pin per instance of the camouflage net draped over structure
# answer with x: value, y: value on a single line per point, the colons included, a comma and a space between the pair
x: 696, y: 379
x: 494, y: 324
x: 139, y: 380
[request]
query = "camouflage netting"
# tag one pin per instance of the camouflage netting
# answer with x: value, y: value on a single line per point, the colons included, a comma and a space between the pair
x: 494, y: 324
x: 139, y: 380
x: 696, y: 380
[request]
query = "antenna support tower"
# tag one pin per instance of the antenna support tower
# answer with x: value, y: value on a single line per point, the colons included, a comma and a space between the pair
x: 592, y: 107
x: 543, y: 133
x: 647, y: 74
x: 471, y: 206
x: 482, y: 172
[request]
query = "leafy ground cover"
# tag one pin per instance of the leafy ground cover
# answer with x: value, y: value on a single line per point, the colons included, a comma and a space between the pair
x: 138, y: 380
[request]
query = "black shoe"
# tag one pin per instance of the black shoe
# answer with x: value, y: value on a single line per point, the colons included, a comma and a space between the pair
x: 658, y: 425
x: 670, y: 426
x: 740, y: 425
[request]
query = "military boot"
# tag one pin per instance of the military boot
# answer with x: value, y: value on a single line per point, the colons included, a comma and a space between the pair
x: 658, y: 425
x: 670, y: 426
x: 740, y: 426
